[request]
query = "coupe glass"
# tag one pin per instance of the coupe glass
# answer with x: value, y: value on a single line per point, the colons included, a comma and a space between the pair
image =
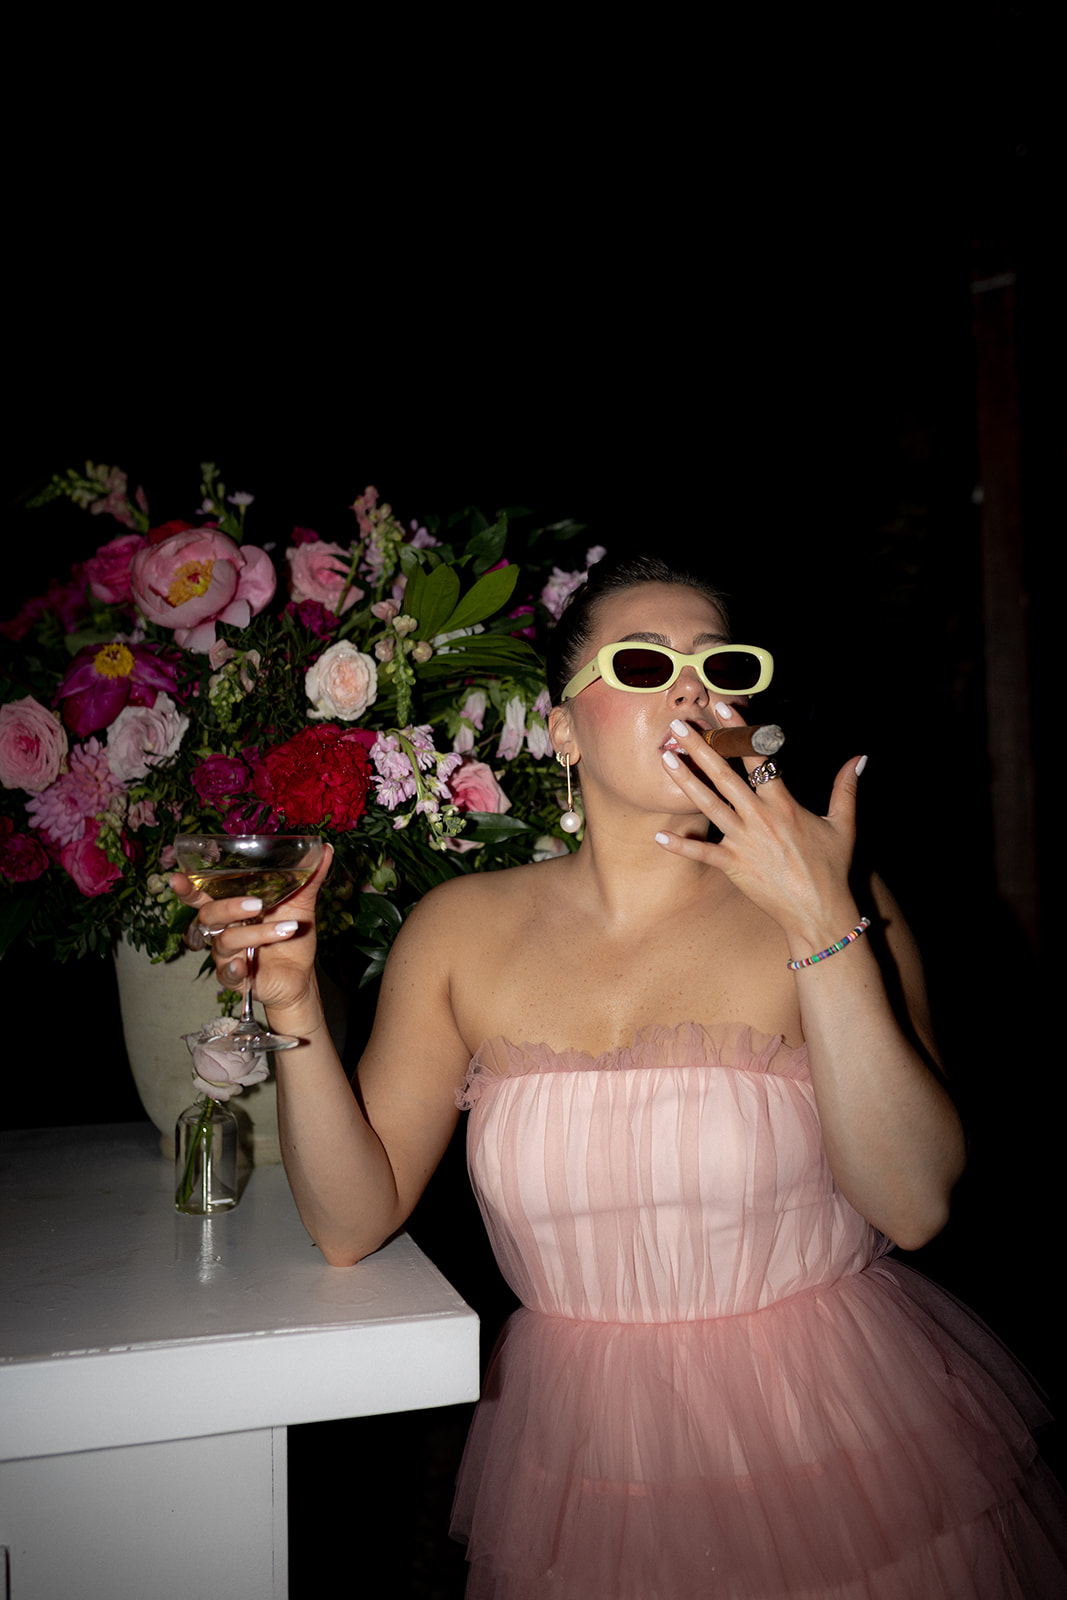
x: 271, y: 866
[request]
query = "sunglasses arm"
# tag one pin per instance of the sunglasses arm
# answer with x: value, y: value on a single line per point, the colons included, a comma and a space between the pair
x: 763, y: 739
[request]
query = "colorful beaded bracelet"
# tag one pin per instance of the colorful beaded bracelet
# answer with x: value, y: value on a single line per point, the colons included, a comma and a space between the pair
x: 831, y: 950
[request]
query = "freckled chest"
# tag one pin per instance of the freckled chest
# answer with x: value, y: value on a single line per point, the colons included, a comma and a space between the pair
x: 557, y: 977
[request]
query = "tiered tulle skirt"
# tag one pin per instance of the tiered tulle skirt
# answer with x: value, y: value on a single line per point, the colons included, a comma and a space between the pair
x: 864, y: 1441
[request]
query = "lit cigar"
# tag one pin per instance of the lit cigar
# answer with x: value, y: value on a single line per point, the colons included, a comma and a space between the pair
x: 762, y: 740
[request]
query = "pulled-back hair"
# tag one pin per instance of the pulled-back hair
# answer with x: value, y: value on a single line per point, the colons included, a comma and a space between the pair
x: 569, y: 641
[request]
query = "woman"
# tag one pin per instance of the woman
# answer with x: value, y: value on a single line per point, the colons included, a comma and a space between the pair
x: 689, y: 1173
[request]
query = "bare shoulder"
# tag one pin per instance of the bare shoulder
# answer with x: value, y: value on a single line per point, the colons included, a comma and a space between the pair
x: 481, y: 900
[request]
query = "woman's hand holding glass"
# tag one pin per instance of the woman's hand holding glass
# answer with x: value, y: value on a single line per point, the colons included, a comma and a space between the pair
x: 284, y: 945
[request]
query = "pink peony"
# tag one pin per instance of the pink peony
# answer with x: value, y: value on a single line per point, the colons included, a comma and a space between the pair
x: 342, y: 683
x: 108, y: 571
x: 196, y: 578
x: 87, y: 864
x: 317, y: 571
x: 32, y: 746
x: 102, y: 679
x: 141, y: 736
x: 473, y: 788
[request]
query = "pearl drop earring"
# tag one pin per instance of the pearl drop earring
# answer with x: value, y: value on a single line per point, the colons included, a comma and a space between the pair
x: 570, y: 821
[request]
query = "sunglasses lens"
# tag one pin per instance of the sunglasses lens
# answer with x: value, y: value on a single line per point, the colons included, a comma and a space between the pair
x: 642, y: 669
x: 732, y: 671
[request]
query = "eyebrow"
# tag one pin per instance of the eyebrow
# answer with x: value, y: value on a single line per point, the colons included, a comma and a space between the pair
x: 661, y: 638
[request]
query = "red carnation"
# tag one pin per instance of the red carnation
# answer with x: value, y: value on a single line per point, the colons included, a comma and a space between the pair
x: 320, y: 775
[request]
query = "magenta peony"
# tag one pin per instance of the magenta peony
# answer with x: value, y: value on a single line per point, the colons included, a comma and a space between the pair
x: 102, y: 679
x: 197, y: 578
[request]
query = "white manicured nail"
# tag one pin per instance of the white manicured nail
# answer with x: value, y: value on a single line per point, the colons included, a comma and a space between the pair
x: 860, y: 764
x: 680, y: 728
x: 723, y: 710
x: 670, y: 759
x: 286, y: 927
x: 663, y: 838
x: 251, y: 905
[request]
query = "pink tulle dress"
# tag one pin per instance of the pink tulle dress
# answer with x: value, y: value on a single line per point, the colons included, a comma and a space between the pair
x: 717, y: 1386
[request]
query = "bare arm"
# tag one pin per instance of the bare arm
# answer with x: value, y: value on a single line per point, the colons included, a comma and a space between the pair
x: 356, y: 1171
x: 892, y: 1136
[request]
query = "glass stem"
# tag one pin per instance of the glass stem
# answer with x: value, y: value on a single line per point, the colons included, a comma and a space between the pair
x: 246, y: 1011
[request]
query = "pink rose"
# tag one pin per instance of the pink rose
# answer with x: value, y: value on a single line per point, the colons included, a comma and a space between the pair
x: 317, y: 571
x: 32, y: 746
x: 108, y: 571
x: 473, y: 788
x: 342, y: 683
x: 88, y: 865
x: 217, y: 1071
x: 140, y: 736
x: 197, y: 578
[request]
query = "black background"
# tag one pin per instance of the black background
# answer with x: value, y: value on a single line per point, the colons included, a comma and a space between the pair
x: 711, y: 306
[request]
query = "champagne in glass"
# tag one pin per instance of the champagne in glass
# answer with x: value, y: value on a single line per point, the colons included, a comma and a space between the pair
x: 270, y: 866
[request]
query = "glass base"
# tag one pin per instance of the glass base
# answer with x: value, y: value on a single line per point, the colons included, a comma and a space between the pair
x: 254, y: 1041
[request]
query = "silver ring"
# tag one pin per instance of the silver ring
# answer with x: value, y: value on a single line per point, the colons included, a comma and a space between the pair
x: 764, y: 774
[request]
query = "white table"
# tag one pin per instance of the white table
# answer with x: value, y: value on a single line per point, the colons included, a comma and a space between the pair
x: 150, y: 1363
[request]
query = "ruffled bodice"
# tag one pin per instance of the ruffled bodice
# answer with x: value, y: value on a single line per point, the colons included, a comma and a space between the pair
x: 681, y: 1177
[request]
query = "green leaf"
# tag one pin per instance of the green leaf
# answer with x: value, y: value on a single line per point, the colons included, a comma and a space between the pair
x: 412, y: 601
x: 437, y: 602
x: 480, y: 653
x: 492, y: 591
x: 490, y: 826
x: 485, y: 548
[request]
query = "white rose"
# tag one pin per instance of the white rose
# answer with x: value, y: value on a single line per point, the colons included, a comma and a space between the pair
x: 142, y: 735
x: 342, y: 683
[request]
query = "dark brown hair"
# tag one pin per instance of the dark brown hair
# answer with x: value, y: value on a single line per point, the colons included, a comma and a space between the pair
x: 568, y: 643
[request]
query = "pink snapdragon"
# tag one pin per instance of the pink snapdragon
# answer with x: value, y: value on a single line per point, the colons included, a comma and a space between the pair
x: 561, y: 585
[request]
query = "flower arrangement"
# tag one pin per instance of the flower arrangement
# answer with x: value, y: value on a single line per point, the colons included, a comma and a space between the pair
x: 383, y: 691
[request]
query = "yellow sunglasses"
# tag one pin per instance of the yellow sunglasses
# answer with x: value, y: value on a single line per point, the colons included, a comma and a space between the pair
x: 644, y: 668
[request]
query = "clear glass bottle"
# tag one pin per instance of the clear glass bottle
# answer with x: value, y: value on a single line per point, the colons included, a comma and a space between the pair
x: 205, y: 1160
